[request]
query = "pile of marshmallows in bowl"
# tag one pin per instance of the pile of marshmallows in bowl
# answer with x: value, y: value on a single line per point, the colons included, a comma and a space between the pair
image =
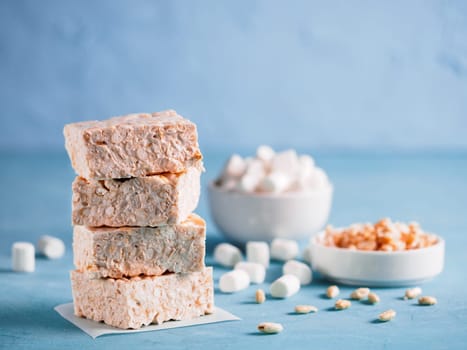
x: 271, y: 195
x: 271, y: 172
x: 253, y: 270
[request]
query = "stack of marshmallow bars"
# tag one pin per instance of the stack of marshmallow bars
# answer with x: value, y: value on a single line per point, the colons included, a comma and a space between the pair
x: 138, y: 248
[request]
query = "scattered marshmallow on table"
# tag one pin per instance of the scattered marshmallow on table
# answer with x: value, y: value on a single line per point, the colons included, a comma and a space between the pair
x: 285, y: 286
x: 51, y: 247
x: 23, y: 257
x: 234, y: 281
x: 284, y: 249
x: 256, y: 271
x: 300, y: 270
x: 227, y: 254
x: 257, y: 252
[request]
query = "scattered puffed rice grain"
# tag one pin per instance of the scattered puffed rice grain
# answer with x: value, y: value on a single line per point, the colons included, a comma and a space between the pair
x: 260, y: 296
x: 270, y: 327
x: 427, y: 300
x: 373, y: 298
x: 332, y: 292
x: 387, y: 315
x: 360, y: 293
x: 305, y: 309
x: 412, y: 293
x: 342, y: 304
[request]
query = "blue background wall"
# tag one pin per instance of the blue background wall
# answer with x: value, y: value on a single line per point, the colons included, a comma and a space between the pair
x: 305, y: 74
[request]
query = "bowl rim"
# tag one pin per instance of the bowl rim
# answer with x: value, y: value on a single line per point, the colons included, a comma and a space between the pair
x: 297, y: 194
x: 437, y: 245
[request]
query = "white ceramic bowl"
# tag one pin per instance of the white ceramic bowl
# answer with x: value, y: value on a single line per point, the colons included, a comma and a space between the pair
x: 262, y: 217
x: 376, y: 268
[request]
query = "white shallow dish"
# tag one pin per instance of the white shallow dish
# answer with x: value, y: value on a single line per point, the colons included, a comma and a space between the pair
x: 376, y: 268
x: 262, y: 217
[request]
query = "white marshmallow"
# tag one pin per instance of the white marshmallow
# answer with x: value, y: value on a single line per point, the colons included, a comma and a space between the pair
x: 275, y: 182
x: 256, y: 271
x: 258, y: 252
x: 306, y: 163
x: 234, y: 281
x: 249, y: 182
x: 286, y: 162
x: 255, y: 167
x: 284, y: 249
x: 285, y: 286
x: 227, y: 254
x: 298, y: 269
x: 319, y: 179
x: 228, y: 183
x: 51, y: 247
x: 265, y: 153
x: 252, y: 177
x: 235, y: 166
x: 22, y: 257
x: 306, y: 170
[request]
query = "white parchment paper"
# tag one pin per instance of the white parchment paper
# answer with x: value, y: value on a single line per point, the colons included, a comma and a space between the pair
x: 96, y: 329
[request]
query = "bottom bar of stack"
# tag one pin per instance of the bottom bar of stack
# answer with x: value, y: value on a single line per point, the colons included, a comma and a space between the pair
x: 138, y: 301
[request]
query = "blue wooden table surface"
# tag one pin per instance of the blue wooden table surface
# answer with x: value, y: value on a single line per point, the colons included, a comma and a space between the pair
x: 432, y: 189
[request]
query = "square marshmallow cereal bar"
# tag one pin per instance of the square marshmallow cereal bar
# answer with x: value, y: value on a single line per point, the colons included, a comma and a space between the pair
x: 139, y: 301
x: 131, y: 251
x: 135, y: 145
x: 141, y: 201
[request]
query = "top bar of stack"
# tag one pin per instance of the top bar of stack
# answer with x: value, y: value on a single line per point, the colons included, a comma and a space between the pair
x: 135, y: 145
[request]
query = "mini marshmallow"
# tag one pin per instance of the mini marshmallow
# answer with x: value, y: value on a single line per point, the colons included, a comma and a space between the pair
x: 319, y: 179
x: 265, y: 153
x: 306, y: 163
x: 253, y: 175
x: 305, y: 173
x: 286, y: 162
x: 298, y: 269
x: 235, y: 166
x: 258, y: 252
x: 22, y: 257
x: 228, y: 183
x: 275, y: 182
x: 284, y: 249
x: 234, y: 281
x: 51, y: 247
x: 285, y: 286
x: 227, y: 254
x: 255, y: 167
x: 249, y: 182
x: 256, y: 271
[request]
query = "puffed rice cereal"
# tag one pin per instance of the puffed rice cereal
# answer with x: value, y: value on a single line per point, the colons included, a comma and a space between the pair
x: 384, y: 235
